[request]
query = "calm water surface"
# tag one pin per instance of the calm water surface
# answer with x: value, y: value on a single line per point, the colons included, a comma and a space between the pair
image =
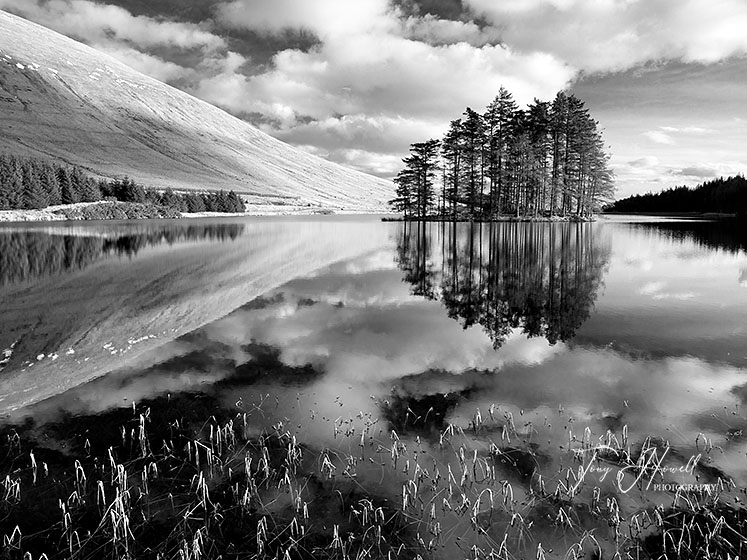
x: 540, y: 345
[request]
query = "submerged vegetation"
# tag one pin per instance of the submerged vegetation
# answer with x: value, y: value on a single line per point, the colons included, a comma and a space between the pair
x: 184, y: 478
x: 544, y: 161
x: 32, y: 184
x: 723, y: 196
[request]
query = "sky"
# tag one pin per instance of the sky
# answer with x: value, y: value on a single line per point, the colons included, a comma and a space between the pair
x: 358, y: 81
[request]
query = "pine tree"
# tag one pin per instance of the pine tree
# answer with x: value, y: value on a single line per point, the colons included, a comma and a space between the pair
x: 50, y: 184
x: 90, y: 191
x: 425, y: 164
x: 236, y: 202
x: 195, y: 203
x: 558, y: 131
x: 33, y: 196
x: 169, y: 199
x: 474, y: 140
x: 538, y: 124
x: 14, y: 184
x: 404, y: 201
x: 68, y: 194
x: 5, y: 182
x: 498, y: 118
x: 451, y: 151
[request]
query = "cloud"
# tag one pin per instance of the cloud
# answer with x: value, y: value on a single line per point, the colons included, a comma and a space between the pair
x: 707, y: 170
x: 700, y: 172
x: 379, y: 164
x: 147, y: 64
x: 376, y: 81
x: 328, y: 19
x: 657, y: 291
x: 686, y: 129
x: 616, y: 35
x: 665, y: 134
x: 659, y: 137
x: 652, y: 288
x: 133, y: 40
x: 644, y: 162
x: 101, y: 23
x: 342, y: 138
x: 389, y: 76
x: 434, y: 31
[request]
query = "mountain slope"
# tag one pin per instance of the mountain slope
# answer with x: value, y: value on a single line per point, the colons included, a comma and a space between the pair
x: 64, y: 100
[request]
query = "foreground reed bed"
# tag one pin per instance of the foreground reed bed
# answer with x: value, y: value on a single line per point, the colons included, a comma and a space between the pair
x: 186, y: 479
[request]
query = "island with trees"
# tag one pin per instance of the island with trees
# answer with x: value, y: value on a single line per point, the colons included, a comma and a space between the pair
x: 547, y: 161
x: 727, y: 196
x: 35, y: 184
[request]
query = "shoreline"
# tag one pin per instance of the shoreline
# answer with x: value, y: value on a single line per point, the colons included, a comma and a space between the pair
x: 694, y: 215
x: 537, y: 219
x: 77, y: 213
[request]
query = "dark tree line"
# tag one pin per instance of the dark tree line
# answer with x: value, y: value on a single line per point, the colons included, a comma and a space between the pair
x: 28, y: 184
x: 26, y: 255
x: 728, y: 196
x: 546, y: 160
x: 722, y: 235
x: 542, y: 278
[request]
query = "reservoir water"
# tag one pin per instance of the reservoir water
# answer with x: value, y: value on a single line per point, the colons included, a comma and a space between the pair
x: 520, y: 388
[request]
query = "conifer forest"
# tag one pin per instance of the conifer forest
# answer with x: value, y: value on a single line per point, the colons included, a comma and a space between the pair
x: 32, y: 184
x: 547, y: 160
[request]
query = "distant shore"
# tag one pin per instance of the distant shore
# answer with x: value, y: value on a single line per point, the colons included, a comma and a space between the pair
x: 698, y: 215
x: 110, y: 210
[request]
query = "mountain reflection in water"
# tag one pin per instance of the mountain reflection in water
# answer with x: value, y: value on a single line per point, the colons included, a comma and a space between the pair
x: 71, y: 312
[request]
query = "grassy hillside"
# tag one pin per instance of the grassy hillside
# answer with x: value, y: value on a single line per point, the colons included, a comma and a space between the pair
x: 61, y: 99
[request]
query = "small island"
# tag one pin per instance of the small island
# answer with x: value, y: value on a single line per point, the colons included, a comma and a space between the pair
x: 545, y: 162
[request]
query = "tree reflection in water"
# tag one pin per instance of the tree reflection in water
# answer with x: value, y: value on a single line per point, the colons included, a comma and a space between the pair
x: 540, y: 277
x: 28, y: 254
x: 729, y: 235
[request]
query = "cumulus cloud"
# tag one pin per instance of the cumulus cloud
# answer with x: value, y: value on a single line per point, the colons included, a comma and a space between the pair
x: 657, y: 291
x: 328, y: 19
x: 700, y: 172
x: 644, y: 162
x: 659, y: 137
x: 342, y: 138
x: 120, y: 34
x: 147, y: 64
x: 686, y: 129
x: 620, y: 34
x: 435, y: 31
x: 377, y: 80
x: 100, y: 22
